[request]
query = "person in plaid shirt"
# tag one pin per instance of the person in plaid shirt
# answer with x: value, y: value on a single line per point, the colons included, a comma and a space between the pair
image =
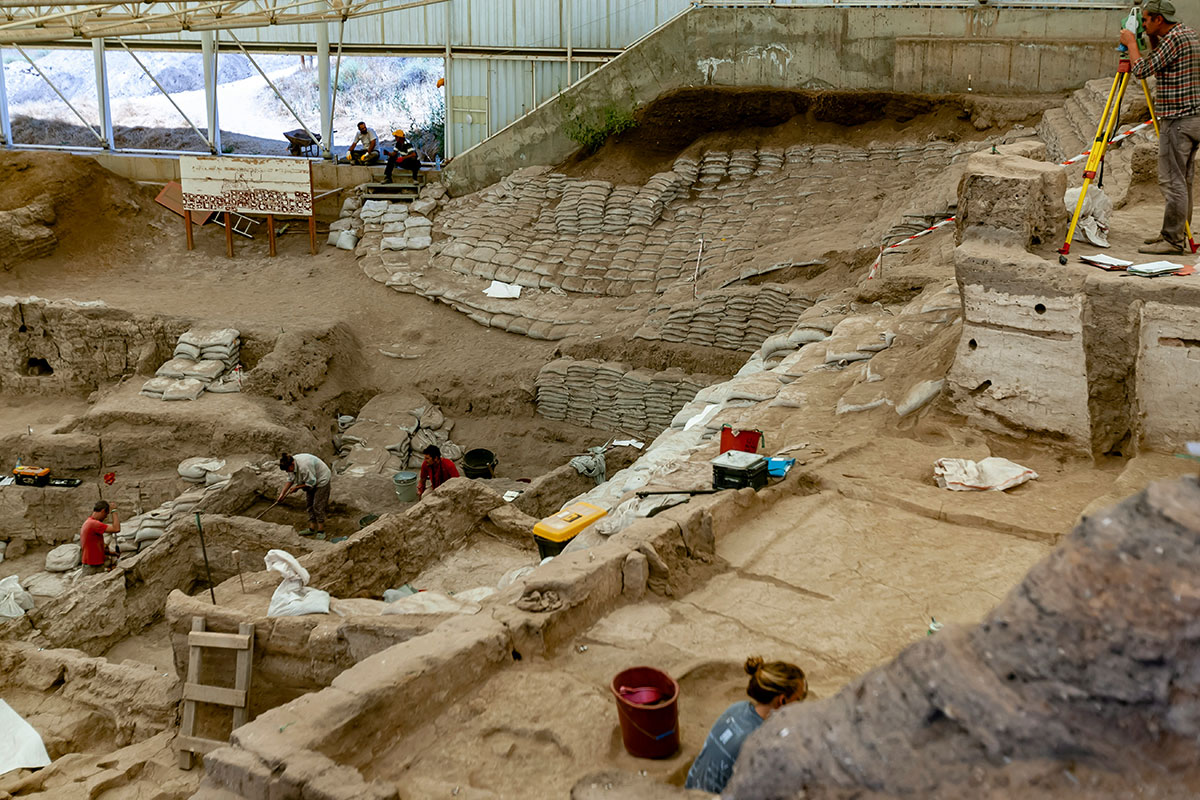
x: 1175, y: 61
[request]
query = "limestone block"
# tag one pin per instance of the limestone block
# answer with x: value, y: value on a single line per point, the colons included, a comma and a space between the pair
x: 1011, y: 200
x: 1168, y: 375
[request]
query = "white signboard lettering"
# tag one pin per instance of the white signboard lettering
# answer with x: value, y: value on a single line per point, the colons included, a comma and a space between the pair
x: 280, y: 186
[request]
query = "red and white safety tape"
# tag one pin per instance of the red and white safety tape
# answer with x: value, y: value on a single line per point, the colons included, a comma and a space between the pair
x: 1114, y: 140
x: 879, y: 258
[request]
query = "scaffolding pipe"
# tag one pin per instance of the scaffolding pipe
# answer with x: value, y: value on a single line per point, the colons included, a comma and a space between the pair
x: 569, y: 21
x: 61, y: 96
x: 323, y: 88
x: 103, y: 101
x: 274, y: 88
x: 166, y: 94
x: 5, y: 123
x: 208, y: 63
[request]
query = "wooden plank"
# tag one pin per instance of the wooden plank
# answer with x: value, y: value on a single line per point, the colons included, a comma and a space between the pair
x: 244, y: 671
x: 228, y: 236
x: 229, y: 641
x: 271, y: 234
x: 188, y: 725
x: 218, y: 695
x: 187, y: 225
x: 197, y: 744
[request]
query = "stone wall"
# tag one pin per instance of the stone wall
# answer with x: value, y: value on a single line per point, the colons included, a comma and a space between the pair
x: 611, y: 396
x: 25, y: 232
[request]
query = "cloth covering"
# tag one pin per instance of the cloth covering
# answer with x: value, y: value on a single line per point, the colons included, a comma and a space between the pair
x: 293, y: 597
x: 21, y: 746
x: 963, y: 475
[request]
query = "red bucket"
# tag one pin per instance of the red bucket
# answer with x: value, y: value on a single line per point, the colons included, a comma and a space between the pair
x: 647, y: 706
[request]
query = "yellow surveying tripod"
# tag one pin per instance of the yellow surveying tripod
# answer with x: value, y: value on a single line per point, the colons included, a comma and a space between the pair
x: 1109, y: 119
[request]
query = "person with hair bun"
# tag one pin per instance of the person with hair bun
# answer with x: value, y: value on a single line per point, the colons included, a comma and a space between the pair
x: 773, y: 685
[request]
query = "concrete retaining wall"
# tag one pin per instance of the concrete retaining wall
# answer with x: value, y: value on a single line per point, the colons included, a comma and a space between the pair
x: 925, y: 50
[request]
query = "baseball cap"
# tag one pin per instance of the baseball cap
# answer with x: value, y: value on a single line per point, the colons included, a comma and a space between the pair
x: 1163, y: 7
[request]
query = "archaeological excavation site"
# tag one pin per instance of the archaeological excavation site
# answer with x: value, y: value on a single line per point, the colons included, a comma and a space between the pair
x: 691, y: 361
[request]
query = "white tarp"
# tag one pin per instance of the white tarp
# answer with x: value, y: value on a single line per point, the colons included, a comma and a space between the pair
x: 503, y: 291
x: 963, y: 475
x: 21, y: 746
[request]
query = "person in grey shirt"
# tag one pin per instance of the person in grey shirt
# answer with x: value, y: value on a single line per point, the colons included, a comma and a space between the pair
x: 369, y: 154
x: 306, y: 471
x: 772, y: 685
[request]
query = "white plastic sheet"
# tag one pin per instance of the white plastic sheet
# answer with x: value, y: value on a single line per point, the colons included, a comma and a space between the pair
x: 14, y: 602
x: 503, y: 291
x: 293, y: 597
x: 21, y: 746
x: 963, y: 475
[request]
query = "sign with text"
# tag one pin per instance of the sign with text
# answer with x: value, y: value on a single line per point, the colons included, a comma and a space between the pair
x: 281, y: 186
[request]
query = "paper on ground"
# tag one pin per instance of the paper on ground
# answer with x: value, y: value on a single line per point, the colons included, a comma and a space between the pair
x: 629, y: 443
x: 964, y: 475
x: 1107, y: 261
x: 21, y: 746
x: 502, y: 290
x: 1154, y: 267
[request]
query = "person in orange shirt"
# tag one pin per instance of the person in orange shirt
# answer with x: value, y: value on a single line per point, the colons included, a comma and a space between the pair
x: 91, y: 537
x: 435, y: 469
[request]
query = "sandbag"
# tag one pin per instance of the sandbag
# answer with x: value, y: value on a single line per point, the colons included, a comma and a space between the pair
x: 185, y: 350
x: 205, y: 371
x: 208, y: 337
x: 293, y: 597
x: 48, y: 584
x: 14, y: 602
x: 62, y: 558
x: 175, y: 368
x: 194, y: 469
x: 185, y: 389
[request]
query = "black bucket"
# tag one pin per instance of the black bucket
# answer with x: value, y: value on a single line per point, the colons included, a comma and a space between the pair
x: 479, y: 463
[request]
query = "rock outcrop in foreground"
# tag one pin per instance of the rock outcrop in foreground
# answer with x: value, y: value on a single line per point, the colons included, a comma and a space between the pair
x: 1083, y: 682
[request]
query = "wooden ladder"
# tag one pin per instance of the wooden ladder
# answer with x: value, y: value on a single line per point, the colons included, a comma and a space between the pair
x: 237, y: 698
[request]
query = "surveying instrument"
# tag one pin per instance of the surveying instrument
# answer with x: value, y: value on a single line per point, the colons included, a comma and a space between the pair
x: 1106, y: 130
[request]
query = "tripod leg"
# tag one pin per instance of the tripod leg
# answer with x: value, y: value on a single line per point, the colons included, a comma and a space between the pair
x: 1108, y: 118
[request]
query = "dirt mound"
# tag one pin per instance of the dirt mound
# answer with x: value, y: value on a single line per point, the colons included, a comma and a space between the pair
x: 1082, y: 682
x: 703, y: 118
x: 96, y: 214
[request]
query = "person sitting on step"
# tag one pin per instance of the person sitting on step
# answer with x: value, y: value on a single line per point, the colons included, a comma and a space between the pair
x: 369, y: 154
x: 404, y: 155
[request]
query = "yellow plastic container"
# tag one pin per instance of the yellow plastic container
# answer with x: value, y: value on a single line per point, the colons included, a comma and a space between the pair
x: 555, y: 532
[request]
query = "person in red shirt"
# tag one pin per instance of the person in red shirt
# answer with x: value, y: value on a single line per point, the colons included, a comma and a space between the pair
x: 435, y: 469
x: 91, y: 536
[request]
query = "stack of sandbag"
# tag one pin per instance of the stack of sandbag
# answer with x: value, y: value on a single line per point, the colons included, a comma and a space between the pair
x: 381, y: 438
x: 200, y: 344
x: 197, y: 470
x: 203, y: 359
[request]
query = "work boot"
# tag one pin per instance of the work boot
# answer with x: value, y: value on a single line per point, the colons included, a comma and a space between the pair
x: 386, y: 179
x: 1154, y: 240
x: 1163, y: 248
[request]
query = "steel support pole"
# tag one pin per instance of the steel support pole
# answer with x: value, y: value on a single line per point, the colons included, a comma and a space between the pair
x: 208, y: 57
x: 447, y: 68
x: 568, y: 15
x: 5, y: 123
x: 324, y: 101
x: 103, y: 106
